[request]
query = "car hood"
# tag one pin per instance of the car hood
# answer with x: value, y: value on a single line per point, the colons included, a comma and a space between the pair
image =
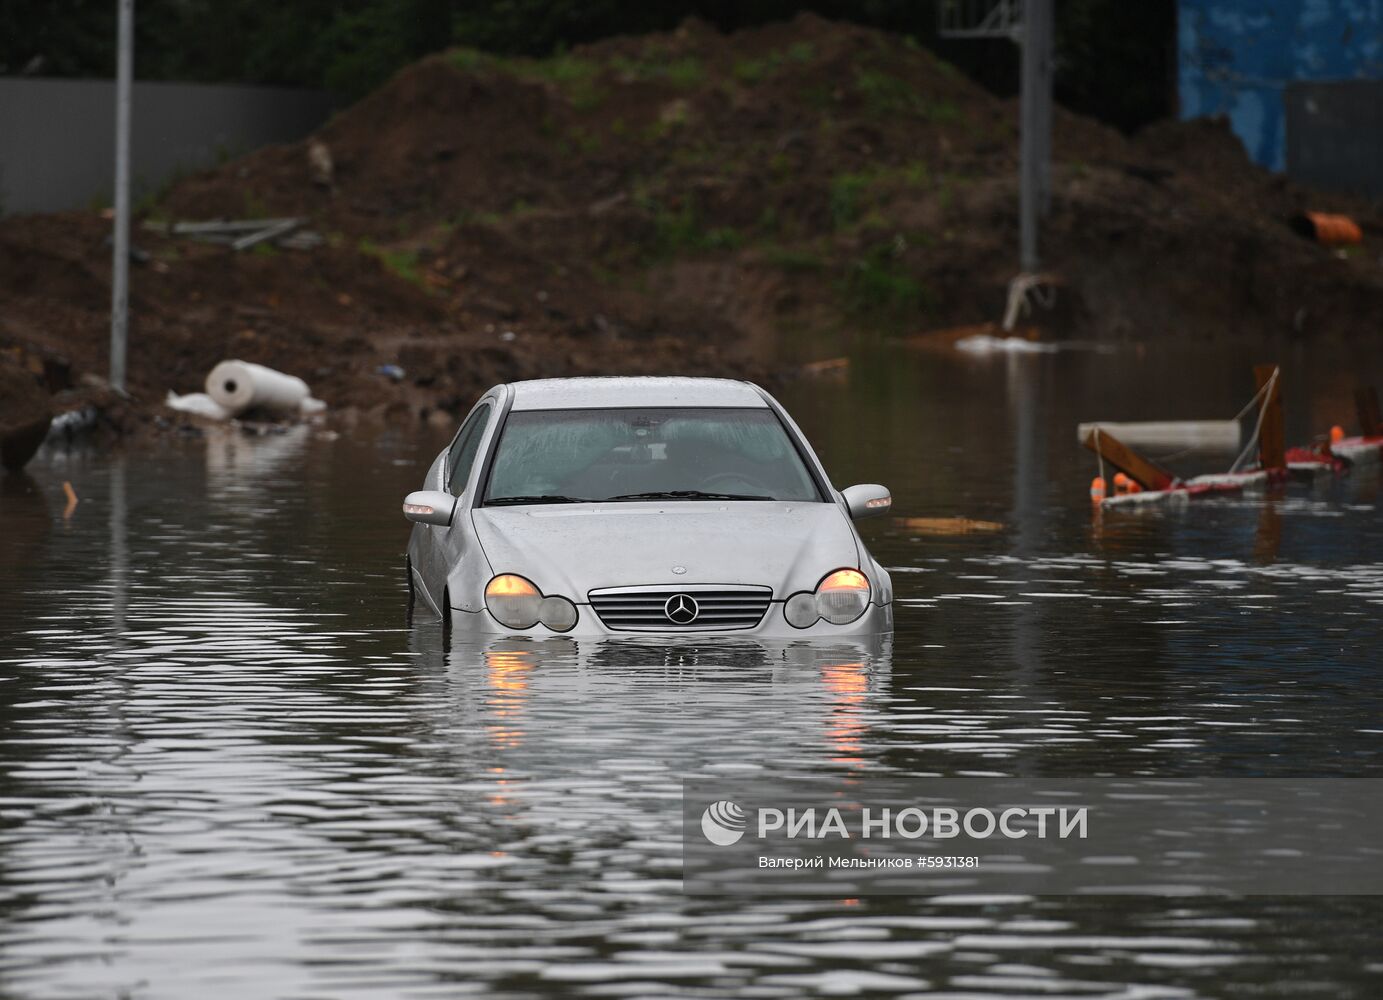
x: 573, y: 549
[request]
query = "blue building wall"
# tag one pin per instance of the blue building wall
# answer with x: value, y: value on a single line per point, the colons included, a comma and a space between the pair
x: 1234, y: 57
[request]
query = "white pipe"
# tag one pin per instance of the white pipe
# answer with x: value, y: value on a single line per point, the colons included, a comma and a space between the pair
x: 1198, y: 435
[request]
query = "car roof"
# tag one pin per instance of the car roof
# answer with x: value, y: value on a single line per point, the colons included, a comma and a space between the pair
x: 638, y: 390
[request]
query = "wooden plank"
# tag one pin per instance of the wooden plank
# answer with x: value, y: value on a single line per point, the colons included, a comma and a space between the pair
x: 1366, y: 406
x: 1148, y: 474
x: 1272, y: 439
x: 946, y: 525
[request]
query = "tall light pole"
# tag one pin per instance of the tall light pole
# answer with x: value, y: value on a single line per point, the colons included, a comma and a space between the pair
x: 120, y: 263
x: 1036, y: 127
x: 1030, y: 23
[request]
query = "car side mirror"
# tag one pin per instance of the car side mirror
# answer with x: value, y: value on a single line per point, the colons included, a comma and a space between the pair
x: 429, y: 507
x: 867, y: 500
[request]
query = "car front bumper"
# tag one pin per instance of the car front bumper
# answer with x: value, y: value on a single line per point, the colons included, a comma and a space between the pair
x: 876, y: 620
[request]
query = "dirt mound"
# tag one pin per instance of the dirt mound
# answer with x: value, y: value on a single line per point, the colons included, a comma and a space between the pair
x: 464, y: 134
x: 685, y: 202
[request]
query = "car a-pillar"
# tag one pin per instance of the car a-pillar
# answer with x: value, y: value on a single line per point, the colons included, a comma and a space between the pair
x: 412, y: 587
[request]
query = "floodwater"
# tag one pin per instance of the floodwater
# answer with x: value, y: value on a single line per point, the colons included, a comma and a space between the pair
x: 229, y: 767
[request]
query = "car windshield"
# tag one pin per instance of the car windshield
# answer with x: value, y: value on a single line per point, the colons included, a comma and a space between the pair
x: 565, y: 456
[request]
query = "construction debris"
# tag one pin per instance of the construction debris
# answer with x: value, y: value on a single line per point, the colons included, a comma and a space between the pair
x: 828, y: 366
x: 236, y: 388
x: 1363, y: 447
x: 267, y: 233
x: 240, y: 386
x: 982, y: 343
x: 199, y: 404
x: 243, y: 234
x: 73, y: 424
x: 947, y: 525
x: 1327, y: 229
x: 323, y: 170
x: 1146, y: 482
x: 1182, y: 435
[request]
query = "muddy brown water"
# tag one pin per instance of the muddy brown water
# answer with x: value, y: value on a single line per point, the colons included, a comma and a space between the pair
x: 230, y: 768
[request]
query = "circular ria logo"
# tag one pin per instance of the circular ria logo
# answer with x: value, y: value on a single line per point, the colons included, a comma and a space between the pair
x: 723, y: 823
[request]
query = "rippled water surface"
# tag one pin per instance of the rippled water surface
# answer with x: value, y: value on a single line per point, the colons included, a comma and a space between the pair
x: 229, y: 766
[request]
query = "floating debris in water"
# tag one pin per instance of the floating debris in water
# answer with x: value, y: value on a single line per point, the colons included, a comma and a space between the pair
x: 947, y: 525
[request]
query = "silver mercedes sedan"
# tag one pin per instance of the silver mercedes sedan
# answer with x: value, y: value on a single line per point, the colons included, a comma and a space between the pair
x: 622, y: 506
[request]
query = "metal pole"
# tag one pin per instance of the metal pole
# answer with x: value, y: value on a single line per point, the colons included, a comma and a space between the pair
x: 1047, y: 22
x: 1035, y: 125
x: 120, y: 264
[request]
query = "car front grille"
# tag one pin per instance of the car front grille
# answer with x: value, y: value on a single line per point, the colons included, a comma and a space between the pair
x: 693, y: 608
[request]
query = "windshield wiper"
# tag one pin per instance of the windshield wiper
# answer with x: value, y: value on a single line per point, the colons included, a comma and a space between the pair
x: 688, y: 495
x: 536, y: 498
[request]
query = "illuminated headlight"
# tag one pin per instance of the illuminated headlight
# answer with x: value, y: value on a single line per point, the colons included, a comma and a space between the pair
x: 840, y: 598
x: 518, y: 604
x: 513, y: 601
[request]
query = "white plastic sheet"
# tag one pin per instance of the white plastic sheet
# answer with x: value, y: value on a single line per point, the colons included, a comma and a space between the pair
x: 983, y: 343
x: 198, y: 404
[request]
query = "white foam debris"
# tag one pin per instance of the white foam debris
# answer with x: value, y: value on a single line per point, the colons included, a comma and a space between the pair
x: 199, y: 404
x: 983, y: 343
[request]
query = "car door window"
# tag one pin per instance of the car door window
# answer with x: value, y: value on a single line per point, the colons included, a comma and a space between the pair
x: 463, y: 450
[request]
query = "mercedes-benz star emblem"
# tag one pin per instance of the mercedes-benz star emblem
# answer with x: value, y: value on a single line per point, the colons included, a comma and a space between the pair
x: 681, y: 609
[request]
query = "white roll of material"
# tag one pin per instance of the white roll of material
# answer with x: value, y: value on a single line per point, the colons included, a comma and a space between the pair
x: 242, y: 385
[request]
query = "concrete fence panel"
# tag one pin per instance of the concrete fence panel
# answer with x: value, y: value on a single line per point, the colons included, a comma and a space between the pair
x: 57, y: 137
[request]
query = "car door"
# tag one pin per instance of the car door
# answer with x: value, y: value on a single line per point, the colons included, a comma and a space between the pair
x: 457, y: 541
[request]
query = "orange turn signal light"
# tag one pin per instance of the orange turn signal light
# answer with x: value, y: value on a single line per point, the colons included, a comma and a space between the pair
x: 845, y: 579
x: 509, y: 585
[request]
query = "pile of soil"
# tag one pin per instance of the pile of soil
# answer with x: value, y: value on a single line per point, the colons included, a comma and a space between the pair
x: 685, y: 202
